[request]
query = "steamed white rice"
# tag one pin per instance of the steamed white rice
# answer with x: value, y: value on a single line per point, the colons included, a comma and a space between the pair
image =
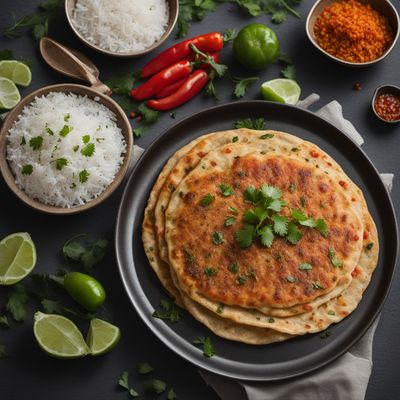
x: 90, y: 126
x: 121, y: 26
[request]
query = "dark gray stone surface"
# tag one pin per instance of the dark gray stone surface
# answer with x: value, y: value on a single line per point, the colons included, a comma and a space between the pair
x: 30, y: 373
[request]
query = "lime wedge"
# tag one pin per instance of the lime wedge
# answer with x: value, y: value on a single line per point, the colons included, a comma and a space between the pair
x: 9, y: 94
x: 281, y: 90
x: 102, y: 336
x: 16, y: 71
x: 58, y: 336
x: 17, y: 257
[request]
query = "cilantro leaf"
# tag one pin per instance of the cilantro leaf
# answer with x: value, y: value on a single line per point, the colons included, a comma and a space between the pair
x: 88, y: 150
x: 36, y: 142
x: 280, y: 224
x: 336, y: 262
x: 251, y: 6
x: 144, y: 368
x: 27, y: 169
x: 266, y: 236
x: 4, y: 321
x: 305, y: 267
x: 61, y: 163
x: 322, y: 227
x: 207, y: 200
x: 211, y: 90
x: 51, y: 5
x: 289, y: 72
x: 209, y: 271
x: 219, y: 69
x: 229, y: 35
x: 156, y: 386
x: 122, y: 84
x: 229, y: 221
x: 168, y: 312
x: 83, y: 176
x: 302, y: 219
x: 86, y: 139
x: 6, y: 54
x: 65, y: 130
x: 208, y: 350
x: 218, y: 237
x: 52, y: 306
x: 294, y: 235
x: 275, y: 205
x: 171, y: 394
x: 244, y: 237
x: 257, y: 124
x: 250, y: 217
x: 149, y: 116
x: 124, y: 383
x: 271, y: 191
x: 252, y: 195
x: 226, y: 190
x: 16, y: 304
x: 242, y: 84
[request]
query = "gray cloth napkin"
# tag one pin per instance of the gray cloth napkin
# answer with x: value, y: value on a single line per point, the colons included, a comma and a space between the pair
x: 345, y: 378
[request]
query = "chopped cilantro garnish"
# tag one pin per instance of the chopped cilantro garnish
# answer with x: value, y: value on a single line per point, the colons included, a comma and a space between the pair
x: 266, y: 236
x: 61, y: 163
x: 334, y: 260
x: 251, y: 273
x: 305, y: 267
x: 229, y: 221
x: 280, y: 224
x: 124, y: 382
x: 317, y: 285
x: 294, y: 234
x: 325, y: 334
x: 292, y: 187
x: 244, y: 237
x: 218, y: 237
x: 369, y: 246
x: 65, y: 130
x: 303, y: 201
x: 233, y: 210
x: 171, y: 394
x: 207, y: 200
x: 251, y: 195
x: 208, y: 349
x: 234, y: 268
x: 267, y: 136
x: 67, y: 117
x: 220, y: 309
x: 189, y: 255
x: 256, y: 124
x: 291, y: 279
x: 235, y: 139
x: 88, y: 150
x: 86, y: 139
x: 27, y: 169
x: 36, y: 142
x: 75, y: 148
x: 331, y: 312
x: 241, y: 280
x: 302, y: 219
x: 156, y: 385
x: 83, y: 176
x: 144, y: 368
x: 209, y: 271
x: 168, y: 311
x: 49, y: 131
x: 226, y: 190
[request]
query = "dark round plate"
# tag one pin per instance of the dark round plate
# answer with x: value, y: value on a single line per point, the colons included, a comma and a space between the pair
x: 274, y: 361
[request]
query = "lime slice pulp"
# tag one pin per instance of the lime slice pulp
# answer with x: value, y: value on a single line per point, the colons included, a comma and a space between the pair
x: 16, y: 71
x: 58, y: 336
x: 102, y: 336
x: 17, y: 257
x: 281, y: 90
x: 9, y: 94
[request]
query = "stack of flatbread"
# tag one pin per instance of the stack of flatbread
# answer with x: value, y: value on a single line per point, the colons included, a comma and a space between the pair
x: 198, y: 239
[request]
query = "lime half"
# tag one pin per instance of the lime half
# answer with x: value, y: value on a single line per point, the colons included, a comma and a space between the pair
x: 17, y: 257
x: 102, y: 336
x: 281, y: 90
x: 9, y: 94
x: 16, y: 71
x: 58, y: 336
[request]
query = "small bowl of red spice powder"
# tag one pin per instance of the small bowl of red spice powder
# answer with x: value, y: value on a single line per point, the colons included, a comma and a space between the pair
x: 386, y: 103
x: 353, y: 32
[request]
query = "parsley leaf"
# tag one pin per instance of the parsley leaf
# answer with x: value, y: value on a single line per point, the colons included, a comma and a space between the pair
x: 156, y: 386
x: 61, y: 163
x: 16, y: 304
x: 244, y: 237
x: 226, y: 190
x: 36, y: 142
x: 292, y: 187
x: 168, y: 312
x: 257, y: 124
x: 242, y: 84
x: 208, y: 349
x: 234, y: 268
x: 144, y: 368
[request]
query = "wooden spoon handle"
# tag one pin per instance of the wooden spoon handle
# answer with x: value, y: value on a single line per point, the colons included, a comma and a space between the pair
x: 68, y: 62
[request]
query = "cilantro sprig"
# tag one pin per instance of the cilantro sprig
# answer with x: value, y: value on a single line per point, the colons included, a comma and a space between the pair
x: 167, y: 311
x: 205, y: 342
x: 264, y: 222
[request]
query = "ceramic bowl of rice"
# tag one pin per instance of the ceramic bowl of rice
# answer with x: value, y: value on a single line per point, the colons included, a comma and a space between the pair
x: 65, y: 148
x: 123, y: 28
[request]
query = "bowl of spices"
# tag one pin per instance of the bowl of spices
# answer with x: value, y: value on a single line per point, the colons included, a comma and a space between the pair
x: 355, y: 33
x: 386, y: 103
x: 123, y: 28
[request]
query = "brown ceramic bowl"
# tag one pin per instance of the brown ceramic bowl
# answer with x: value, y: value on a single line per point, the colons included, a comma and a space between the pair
x: 173, y: 17
x: 385, y: 7
x: 385, y: 89
x: 122, y: 122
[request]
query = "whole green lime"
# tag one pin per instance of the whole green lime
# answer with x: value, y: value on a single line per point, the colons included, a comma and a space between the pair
x: 256, y: 46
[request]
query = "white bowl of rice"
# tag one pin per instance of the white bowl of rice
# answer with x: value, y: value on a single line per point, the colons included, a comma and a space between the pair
x: 122, y: 28
x: 65, y: 148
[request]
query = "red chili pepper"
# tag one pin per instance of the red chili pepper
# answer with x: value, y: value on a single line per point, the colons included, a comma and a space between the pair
x: 161, y: 80
x: 210, y: 42
x: 194, y: 84
x: 170, y: 89
x: 132, y: 114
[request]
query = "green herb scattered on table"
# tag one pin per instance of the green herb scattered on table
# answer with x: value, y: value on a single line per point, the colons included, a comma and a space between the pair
x: 124, y: 383
x: 16, y: 304
x: 156, y: 386
x: 205, y: 342
x: 144, y: 368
